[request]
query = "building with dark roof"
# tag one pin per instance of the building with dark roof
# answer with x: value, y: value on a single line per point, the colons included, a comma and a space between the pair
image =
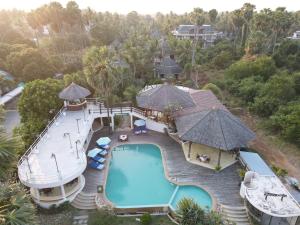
x: 167, y: 68
x: 206, y: 33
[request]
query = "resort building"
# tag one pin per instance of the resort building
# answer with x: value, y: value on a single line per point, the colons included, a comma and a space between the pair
x: 206, y: 33
x: 184, y: 140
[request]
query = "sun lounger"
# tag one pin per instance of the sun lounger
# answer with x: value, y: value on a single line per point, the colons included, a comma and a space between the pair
x: 96, y: 165
x: 103, y: 153
x: 99, y: 159
x: 106, y: 147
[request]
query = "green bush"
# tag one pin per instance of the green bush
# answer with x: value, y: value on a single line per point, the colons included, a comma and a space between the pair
x: 279, y: 171
x: 277, y: 91
x: 286, y: 121
x: 214, y: 88
x: 146, y: 219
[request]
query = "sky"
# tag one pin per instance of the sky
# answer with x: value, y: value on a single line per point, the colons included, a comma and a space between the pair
x: 153, y: 6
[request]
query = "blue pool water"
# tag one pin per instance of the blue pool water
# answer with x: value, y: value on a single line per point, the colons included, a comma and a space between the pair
x: 136, y: 178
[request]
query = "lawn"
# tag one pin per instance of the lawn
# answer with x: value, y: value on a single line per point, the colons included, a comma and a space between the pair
x: 102, y: 218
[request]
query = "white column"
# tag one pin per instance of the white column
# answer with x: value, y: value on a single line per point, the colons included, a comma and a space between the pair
x: 63, y: 193
x: 112, y: 123
x: 101, y: 120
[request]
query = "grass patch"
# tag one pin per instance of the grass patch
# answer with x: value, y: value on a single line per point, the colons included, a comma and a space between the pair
x: 105, y: 218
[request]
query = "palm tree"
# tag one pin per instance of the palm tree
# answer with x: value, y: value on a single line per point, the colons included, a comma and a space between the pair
x: 8, y: 149
x: 15, y: 205
x: 189, y: 212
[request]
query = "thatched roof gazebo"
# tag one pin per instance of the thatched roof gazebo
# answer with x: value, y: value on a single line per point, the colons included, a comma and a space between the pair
x: 74, y: 93
x: 168, y: 68
x: 164, y: 97
x: 216, y: 128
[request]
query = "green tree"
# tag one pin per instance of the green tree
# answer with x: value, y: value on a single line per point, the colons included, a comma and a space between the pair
x: 16, y: 207
x: 29, y: 64
x: 287, y: 55
x: 213, y: 13
x: 249, y: 88
x: 286, y: 121
x: 38, y: 103
x: 279, y: 90
x: 130, y: 93
x: 99, y: 72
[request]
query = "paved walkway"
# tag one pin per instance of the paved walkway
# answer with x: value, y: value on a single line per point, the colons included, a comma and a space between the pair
x: 224, y: 185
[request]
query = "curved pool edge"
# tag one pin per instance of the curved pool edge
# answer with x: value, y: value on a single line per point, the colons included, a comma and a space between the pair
x: 166, y: 172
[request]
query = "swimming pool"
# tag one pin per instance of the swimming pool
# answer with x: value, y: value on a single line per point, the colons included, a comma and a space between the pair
x: 136, y: 179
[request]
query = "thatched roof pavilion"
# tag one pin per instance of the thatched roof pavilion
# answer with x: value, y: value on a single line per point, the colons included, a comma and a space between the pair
x: 163, y: 97
x: 74, y: 92
x: 168, y: 66
x: 216, y: 128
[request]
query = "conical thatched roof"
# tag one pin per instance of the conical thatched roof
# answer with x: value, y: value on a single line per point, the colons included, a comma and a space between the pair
x: 168, y: 66
x: 164, y: 97
x: 73, y: 92
x: 216, y: 128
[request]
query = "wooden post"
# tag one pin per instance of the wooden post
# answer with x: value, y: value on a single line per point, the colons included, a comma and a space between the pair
x: 219, y: 159
x: 190, y: 147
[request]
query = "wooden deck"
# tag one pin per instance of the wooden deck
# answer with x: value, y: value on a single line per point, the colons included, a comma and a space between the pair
x: 223, y: 185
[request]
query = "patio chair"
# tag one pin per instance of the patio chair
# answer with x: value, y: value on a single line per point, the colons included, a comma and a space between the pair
x: 96, y: 165
x: 98, y: 159
x: 106, y: 147
x: 103, y: 153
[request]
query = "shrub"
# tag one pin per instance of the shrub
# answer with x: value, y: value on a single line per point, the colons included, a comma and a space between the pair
x: 146, y: 219
x: 277, y: 91
x: 279, y: 171
x: 286, y: 121
x: 214, y: 88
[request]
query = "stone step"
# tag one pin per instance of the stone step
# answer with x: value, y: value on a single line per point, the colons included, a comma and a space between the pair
x: 80, y: 217
x: 84, y: 201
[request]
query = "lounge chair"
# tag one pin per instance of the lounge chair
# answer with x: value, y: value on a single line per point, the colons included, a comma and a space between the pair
x: 98, y: 159
x: 96, y: 165
x: 103, y: 153
x: 106, y: 147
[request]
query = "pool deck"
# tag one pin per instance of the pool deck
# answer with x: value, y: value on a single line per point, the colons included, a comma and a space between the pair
x: 223, y: 185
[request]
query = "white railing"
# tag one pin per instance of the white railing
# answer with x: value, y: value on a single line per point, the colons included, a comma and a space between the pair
x: 41, y: 135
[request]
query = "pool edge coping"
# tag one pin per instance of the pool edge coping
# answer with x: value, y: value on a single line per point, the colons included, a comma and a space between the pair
x: 166, y: 172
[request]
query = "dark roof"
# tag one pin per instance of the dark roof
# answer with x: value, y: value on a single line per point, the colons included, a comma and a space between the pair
x: 216, y: 128
x: 161, y: 97
x: 73, y: 92
x: 168, y: 66
x: 204, y: 100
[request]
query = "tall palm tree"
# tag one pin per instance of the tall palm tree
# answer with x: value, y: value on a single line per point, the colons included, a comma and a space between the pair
x: 15, y: 205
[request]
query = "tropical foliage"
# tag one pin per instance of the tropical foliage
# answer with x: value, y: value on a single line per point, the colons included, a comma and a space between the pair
x: 15, y: 205
x: 190, y: 213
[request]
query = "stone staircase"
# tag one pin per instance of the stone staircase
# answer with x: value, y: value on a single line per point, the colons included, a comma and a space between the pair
x: 81, y: 218
x: 85, y: 201
x: 237, y: 215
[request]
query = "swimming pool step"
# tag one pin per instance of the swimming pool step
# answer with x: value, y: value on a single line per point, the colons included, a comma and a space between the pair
x: 235, y: 214
x: 84, y: 201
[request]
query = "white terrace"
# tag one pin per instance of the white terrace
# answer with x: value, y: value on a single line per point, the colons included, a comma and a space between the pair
x: 265, y: 193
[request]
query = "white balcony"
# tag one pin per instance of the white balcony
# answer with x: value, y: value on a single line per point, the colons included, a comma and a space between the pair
x: 58, y: 155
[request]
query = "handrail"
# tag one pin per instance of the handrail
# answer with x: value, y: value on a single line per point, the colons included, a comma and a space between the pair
x: 41, y: 135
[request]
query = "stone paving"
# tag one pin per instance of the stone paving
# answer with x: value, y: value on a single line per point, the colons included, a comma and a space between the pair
x: 223, y: 185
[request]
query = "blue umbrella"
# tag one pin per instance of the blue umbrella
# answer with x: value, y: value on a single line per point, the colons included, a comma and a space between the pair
x: 140, y: 123
x: 103, y: 141
x: 92, y: 153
